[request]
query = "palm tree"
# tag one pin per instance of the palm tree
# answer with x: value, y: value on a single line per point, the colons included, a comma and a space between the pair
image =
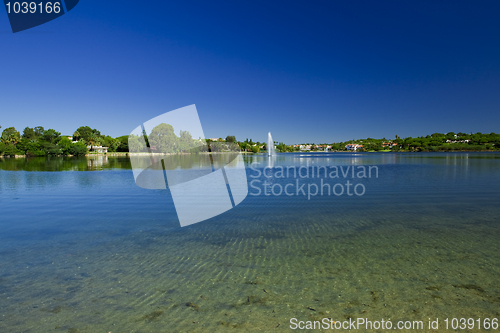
x: 93, y: 140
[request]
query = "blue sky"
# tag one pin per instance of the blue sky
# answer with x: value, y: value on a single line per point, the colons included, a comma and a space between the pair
x: 324, y: 71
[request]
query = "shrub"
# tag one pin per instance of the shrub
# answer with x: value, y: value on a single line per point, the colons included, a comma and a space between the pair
x: 10, y: 150
x: 78, y: 149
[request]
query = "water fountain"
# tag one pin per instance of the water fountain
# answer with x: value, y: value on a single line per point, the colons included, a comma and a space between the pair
x: 271, y: 152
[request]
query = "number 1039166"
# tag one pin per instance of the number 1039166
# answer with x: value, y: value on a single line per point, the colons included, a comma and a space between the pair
x: 471, y: 323
x: 33, y: 7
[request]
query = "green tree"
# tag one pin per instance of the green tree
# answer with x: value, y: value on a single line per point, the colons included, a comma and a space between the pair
x: 244, y: 146
x: 123, y: 143
x: 79, y: 148
x: 10, y: 136
x: 93, y: 140
x: 39, y: 131
x: 29, y: 134
x: 217, y: 146
x: 145, y: 136
x: 230, y: 138
x: 111, y: 143
x: 52, y: 148
x: 136, y: 144
x: 85, y: 133
x: 10, y: 150
x: 22, y: 145
x: 163, y: 138
x: 450, y: 136
x: 65, y: 145
x: 186, y: 141
x: 34, y: 148
x: 51, y: 136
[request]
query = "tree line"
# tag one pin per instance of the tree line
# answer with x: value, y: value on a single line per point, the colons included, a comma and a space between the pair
x: 163, y: 139
x: 450, y: 141
x: 39, y: 141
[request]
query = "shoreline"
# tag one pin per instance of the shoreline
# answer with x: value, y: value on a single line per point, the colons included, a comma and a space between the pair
x: 124, y: 154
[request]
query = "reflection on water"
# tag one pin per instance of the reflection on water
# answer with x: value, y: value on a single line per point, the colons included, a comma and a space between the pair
x: 59, y: 163
x: 189, y: 161
x: 93, y: 252
x: 104, y: 162
x: 455, y: 166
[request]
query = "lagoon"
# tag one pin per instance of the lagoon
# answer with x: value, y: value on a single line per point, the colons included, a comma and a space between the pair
x: 83, y: 249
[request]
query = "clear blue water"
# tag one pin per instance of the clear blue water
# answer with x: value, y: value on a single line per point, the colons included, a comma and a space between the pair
x: 83, y: 249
